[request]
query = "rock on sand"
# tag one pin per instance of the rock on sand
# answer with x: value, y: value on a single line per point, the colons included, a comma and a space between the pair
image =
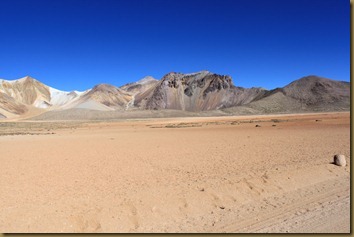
x: 340, y: 160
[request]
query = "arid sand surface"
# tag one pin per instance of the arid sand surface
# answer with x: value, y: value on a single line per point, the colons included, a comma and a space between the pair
x: 220, y: 174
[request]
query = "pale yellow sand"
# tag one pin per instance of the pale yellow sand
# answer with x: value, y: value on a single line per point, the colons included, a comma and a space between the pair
x: 179, y: 175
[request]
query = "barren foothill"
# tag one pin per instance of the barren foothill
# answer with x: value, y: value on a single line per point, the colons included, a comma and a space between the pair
x: 196, y: 174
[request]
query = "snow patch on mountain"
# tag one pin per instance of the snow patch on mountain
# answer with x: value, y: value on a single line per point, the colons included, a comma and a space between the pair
x: 59, y: 98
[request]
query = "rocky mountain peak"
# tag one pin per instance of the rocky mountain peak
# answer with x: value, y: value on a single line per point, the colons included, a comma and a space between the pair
x: 146, y: 79
x: 104, y: 88
x: 27, y: 79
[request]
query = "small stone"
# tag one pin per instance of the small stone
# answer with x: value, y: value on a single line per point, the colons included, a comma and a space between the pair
x: 340, y: 160
x: 222, y: 207
x: 257, y: 126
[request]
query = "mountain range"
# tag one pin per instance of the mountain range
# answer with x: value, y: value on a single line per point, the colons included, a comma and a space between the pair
x: 199, y: 92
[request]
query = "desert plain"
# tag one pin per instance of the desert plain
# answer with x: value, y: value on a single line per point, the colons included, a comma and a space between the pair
x: 233, y: 174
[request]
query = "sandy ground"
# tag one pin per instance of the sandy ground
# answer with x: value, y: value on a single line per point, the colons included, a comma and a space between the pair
x: 178, y: 175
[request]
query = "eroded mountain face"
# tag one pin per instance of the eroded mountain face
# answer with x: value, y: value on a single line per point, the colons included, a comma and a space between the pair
x: 27, y: 91
x: 10, y: 105
x: 195, y: 92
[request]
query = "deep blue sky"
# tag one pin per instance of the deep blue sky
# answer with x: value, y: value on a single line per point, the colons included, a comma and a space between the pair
x: 76, y: 44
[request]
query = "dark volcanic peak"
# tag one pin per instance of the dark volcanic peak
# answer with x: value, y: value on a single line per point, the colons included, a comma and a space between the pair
x: 218, y: 82
x: 312, y: 80
x: 313, y: 90
x: 199, y: 79
x: 195, y: 92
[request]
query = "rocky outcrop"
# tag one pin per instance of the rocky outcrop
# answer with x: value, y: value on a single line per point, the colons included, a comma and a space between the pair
x: 196, y: 92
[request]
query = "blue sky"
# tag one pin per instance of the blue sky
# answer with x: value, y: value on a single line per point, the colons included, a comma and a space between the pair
x: 76, y: 44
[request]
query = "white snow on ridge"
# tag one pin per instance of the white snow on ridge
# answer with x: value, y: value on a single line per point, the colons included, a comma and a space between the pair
x: 60, y: 98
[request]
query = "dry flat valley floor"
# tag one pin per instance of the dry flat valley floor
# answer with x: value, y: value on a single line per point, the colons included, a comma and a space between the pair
x: 217, y: 174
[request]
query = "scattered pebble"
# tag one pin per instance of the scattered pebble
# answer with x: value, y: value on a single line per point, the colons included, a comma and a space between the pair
x: 257, y: 126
